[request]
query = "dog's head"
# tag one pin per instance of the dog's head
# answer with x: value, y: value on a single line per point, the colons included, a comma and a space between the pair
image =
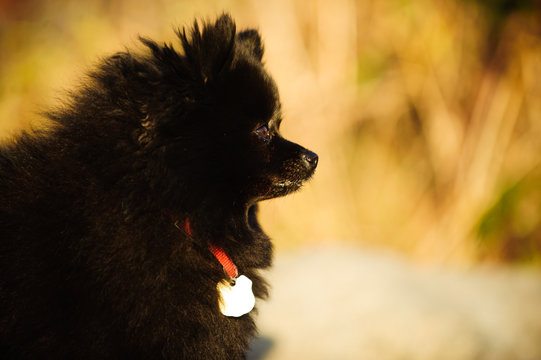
x: 216, y: 117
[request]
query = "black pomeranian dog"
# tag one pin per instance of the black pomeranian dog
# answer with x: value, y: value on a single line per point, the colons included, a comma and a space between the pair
x: 124, y: 227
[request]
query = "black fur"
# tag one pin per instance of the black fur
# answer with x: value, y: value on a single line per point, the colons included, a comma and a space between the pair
x: 91, y: 265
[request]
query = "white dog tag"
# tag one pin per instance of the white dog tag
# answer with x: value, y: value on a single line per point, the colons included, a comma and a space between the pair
x: 238, y: 299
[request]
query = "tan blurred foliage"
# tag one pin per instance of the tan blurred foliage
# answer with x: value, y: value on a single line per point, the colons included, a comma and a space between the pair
x: 425, y: 113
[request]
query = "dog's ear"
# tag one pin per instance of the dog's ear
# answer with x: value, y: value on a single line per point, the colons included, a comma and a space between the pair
x: 211, y: 49
x: 251, y: 40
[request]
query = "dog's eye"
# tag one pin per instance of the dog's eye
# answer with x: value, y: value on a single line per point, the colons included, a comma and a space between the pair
x: 263, y: 133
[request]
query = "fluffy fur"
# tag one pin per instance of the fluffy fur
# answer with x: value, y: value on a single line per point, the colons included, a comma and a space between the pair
x: 91, y: 264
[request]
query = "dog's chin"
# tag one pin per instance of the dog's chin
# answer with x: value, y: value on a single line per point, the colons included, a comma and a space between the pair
x: 279, y: 188
x: 285, y: 187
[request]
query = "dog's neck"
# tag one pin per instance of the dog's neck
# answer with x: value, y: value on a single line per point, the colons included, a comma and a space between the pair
x: 229, y: 266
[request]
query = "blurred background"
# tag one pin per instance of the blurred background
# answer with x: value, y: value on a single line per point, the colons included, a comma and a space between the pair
x: 426, y: 117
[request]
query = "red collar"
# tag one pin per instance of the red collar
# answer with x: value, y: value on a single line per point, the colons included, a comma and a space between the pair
x: 228, y: 264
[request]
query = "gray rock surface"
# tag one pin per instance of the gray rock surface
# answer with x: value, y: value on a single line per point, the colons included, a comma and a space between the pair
x: 337, y: 302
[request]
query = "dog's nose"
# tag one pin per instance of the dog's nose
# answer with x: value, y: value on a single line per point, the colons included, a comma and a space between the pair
x: 311, y: 158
